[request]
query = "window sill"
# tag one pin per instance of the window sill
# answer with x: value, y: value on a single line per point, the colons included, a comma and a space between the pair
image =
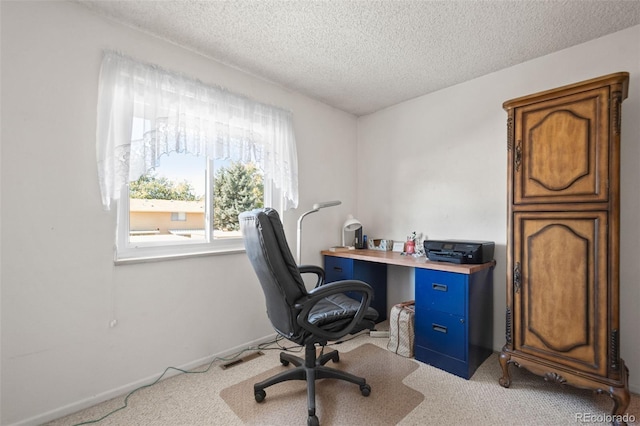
x: 134, y: 259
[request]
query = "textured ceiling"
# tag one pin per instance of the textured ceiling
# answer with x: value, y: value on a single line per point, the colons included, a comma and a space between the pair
x: 362, y: 56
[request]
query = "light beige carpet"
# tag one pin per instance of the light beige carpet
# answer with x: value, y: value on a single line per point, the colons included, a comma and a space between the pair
x: 194, y: 399
x: 337, y: 402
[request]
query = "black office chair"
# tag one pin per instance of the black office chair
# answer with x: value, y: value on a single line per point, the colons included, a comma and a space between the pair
x: 304, y: 317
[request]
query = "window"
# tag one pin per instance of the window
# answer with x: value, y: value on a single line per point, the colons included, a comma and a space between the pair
x: 182, y: 216
x: 181, y: 159
x: 188, y: 204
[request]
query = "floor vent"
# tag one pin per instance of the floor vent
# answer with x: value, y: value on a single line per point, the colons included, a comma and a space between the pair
x: 241, y: 360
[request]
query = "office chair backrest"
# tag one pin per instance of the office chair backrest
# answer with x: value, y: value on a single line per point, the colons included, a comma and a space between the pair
x: 269, y: 254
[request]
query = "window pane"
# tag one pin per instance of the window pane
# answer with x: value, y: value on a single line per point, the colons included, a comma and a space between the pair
x: 167, y: 205
x: 237, y: 187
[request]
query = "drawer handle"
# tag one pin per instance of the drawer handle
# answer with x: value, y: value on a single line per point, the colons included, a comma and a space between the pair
x: 439, y: 287
x: 439, y: 328
x: 337, y: 268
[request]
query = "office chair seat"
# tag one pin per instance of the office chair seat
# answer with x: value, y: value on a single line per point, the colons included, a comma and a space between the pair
x: 308, y: 318
x: 334, y: 312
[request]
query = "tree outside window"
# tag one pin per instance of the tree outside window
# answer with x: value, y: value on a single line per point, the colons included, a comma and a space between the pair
x: 236, y: 189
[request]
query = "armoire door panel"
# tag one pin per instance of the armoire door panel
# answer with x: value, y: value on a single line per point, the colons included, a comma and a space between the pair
x: 563, y: 149
x: 558, y: 142
x: 555, y: 255
x: 562, y: 258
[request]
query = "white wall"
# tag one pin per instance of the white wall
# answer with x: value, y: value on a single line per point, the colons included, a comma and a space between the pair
x: 437, y: 164
x: 60, y: 289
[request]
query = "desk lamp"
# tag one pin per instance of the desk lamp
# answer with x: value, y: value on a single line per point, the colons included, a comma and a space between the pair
x: 314, y: 209
x: 351, y: 224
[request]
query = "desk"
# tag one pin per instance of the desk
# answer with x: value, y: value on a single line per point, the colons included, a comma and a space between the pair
x: 454, y: 304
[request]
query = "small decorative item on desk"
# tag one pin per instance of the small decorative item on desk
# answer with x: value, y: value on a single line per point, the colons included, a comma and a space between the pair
x: 410, y: 245
x: 383, y: 245
x: 419, y: 245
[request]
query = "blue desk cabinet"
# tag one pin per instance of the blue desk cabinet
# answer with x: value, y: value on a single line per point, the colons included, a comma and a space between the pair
x: 374, y: 274
x: 454, y: 319
x: 454, y: 304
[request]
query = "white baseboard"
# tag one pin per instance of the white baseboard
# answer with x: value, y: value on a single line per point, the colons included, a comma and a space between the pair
x: 124, y: 390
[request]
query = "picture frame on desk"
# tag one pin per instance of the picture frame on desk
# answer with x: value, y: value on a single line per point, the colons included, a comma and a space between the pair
x: 398, y: 247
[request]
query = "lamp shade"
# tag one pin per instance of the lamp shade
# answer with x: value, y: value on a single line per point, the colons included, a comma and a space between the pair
x: 350, y: 225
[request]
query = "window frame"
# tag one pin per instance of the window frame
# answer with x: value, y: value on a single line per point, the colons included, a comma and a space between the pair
x: 127, y: 252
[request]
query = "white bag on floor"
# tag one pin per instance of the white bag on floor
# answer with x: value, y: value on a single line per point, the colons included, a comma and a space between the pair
x: 401, y: 332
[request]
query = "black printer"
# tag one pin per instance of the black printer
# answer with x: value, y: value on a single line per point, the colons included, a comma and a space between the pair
x: 458, y: 251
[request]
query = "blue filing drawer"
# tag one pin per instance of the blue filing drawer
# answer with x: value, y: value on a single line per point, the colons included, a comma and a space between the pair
x: 374, y: 274
x: 442, y: 332
x: 442, y: 291
x: 338, y: 268
x: 453, y: 320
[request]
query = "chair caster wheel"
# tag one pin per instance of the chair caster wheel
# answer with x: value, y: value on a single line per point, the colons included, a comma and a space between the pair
x: 283, y: 361
x: 313, y: 421
x: 365, y: 390
x: 336, y: 357
x: 260, y: 395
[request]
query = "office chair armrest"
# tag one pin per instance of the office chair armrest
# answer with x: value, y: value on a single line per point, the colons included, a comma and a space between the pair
x: 313, y: 269
x: 307, y: 303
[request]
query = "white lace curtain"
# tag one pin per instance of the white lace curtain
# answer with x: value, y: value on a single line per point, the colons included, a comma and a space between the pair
x: 145, y: 112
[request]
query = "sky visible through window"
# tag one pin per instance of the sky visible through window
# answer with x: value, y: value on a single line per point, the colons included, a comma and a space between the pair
x: 175, y: 166
x: 179, y: 167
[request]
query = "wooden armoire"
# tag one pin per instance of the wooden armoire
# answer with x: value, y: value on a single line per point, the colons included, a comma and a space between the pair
x: 562, y: 316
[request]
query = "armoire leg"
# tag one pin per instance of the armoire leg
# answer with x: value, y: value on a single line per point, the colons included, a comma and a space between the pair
x: 621, y: 399
x: 505, y: 380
